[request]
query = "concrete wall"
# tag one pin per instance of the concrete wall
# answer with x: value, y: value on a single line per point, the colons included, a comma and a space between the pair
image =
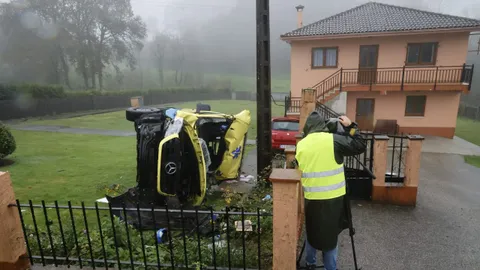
x: 452, y: 51
x: 440, y: 111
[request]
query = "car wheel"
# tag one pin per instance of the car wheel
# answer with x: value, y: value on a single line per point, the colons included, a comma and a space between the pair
x: 132, y: 114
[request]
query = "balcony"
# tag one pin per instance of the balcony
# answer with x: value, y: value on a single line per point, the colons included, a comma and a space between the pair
x: 406, y: 78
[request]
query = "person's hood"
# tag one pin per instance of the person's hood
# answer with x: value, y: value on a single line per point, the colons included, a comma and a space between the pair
x: 315, y: 123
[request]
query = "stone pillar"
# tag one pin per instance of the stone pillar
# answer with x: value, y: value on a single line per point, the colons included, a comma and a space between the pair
x: 286, y: 185
x: 380, y: 154
x: 12, y: 242
x: 308, y: 103
x: 412, y: 160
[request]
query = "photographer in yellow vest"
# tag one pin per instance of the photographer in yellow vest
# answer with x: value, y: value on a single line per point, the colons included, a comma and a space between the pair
x: 320, y: 156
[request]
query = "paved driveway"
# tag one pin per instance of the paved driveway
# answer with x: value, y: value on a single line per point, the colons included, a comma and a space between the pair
x: 441, y: 232
x: 456, y: 145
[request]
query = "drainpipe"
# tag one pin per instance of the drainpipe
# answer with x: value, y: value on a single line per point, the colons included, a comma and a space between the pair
x: 299, y: 16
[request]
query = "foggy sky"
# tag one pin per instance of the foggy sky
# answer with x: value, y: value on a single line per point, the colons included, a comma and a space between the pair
x: 173, y: 15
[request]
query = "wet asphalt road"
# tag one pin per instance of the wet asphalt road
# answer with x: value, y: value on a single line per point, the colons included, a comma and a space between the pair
x: 441, y: 232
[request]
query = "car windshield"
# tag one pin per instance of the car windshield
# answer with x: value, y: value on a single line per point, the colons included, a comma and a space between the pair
x: 285, y: 125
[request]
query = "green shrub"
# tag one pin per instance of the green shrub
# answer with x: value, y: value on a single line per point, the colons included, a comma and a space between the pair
x: 7, y: 142
x: 9, y: 92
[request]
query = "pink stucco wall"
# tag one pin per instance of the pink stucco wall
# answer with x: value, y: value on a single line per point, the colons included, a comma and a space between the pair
x: 452, y: 51
x: 440, y: 110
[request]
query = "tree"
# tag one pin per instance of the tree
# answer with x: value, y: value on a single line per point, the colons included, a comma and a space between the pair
x: 119, y: 35
x: 87, y: 34
x: 160, y: 45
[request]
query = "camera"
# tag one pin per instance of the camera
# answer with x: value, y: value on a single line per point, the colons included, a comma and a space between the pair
x: 334, y: 126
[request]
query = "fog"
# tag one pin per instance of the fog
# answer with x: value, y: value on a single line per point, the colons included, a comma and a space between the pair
x: 181, y: 43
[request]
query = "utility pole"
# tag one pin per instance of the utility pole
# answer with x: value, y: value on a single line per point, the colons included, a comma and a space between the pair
x: 264, y: 112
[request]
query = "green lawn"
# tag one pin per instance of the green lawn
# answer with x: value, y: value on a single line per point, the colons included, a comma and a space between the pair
x: 54, y: 166
x: 280, y: 84
x: 469, y: 130
x: 117, y: 121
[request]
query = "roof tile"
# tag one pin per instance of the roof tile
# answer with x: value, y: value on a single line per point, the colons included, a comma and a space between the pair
x: 375, y: 17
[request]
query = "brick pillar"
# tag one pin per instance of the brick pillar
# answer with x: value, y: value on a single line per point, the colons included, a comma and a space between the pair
x: 12, y: 242
x: 286, y: 185
x: 412, y: 160
x: 308, y: 104
x: 380, y: 151
x: 405, y: 194
x: 290, y: 157
x: 298, y: 137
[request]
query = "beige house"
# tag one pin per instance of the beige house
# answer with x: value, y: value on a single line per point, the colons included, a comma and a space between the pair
x: 384, y: 62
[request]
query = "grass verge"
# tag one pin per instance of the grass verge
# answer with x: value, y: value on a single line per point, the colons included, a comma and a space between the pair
x: 469, y: 129
x: 54, y: 166
x: 117, y: 121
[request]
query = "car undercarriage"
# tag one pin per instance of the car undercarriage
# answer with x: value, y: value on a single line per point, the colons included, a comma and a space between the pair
x: 180, y: 153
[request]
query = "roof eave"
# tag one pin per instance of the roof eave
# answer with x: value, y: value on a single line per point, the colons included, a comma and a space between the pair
x: 380, y: 34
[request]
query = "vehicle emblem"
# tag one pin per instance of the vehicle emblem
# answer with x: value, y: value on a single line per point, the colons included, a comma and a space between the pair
x: 170, y: 168
x: 288, y: 134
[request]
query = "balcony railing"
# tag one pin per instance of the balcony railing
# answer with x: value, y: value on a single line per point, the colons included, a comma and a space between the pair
x: 397, y: 76
x: 292, y: 105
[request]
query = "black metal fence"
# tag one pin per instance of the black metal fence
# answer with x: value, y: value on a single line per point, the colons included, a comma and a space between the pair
x: 105, y: 237
x: 358, y: 178
x: 469, y: 111
x: 325, y: 111
x: 22, y: 108
x: 397, y: 147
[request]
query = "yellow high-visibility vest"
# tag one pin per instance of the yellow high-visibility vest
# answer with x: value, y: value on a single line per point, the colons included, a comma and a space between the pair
x: 322, y: 177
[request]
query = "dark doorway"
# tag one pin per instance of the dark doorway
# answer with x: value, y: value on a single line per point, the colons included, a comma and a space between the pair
x: 367, y: 68
x: 365, y: 112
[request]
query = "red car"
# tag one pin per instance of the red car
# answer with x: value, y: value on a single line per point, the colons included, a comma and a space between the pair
x: 284, y: 130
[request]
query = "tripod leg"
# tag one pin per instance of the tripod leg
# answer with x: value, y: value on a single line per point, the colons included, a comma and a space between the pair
x: 351, y: 230
x: 301, y: 254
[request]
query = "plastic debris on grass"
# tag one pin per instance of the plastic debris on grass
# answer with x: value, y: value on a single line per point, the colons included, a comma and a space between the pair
x: 103, y: 200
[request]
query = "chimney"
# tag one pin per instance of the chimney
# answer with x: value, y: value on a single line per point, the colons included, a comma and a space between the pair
x: 299, y: 15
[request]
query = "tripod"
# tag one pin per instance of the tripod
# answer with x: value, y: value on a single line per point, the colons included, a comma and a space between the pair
x: 348, y: 213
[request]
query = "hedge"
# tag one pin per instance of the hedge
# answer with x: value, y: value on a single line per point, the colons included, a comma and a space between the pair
x: 9, y: 92
x: 36, y: 91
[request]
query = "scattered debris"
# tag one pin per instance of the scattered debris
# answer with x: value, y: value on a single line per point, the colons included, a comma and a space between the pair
x: 218, y: 244
x: 215, y: 188
x: 231, y: 181
x: 102, y: 200
x: 161, y: 234
x: 267, y: 198
x: 246, y: 178
x: 248, y: 226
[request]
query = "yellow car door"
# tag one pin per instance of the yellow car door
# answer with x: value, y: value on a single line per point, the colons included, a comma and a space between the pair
x: 235, y: 139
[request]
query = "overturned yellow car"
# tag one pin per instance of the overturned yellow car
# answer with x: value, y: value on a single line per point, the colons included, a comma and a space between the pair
x: 180, y: 152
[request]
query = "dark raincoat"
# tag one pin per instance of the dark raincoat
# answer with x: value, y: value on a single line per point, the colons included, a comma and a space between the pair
x: 325, y: 219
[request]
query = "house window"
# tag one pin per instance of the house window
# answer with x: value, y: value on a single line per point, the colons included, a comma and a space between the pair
x: 324, y: 57
x: 415, y: 106
x: 421, y: 53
